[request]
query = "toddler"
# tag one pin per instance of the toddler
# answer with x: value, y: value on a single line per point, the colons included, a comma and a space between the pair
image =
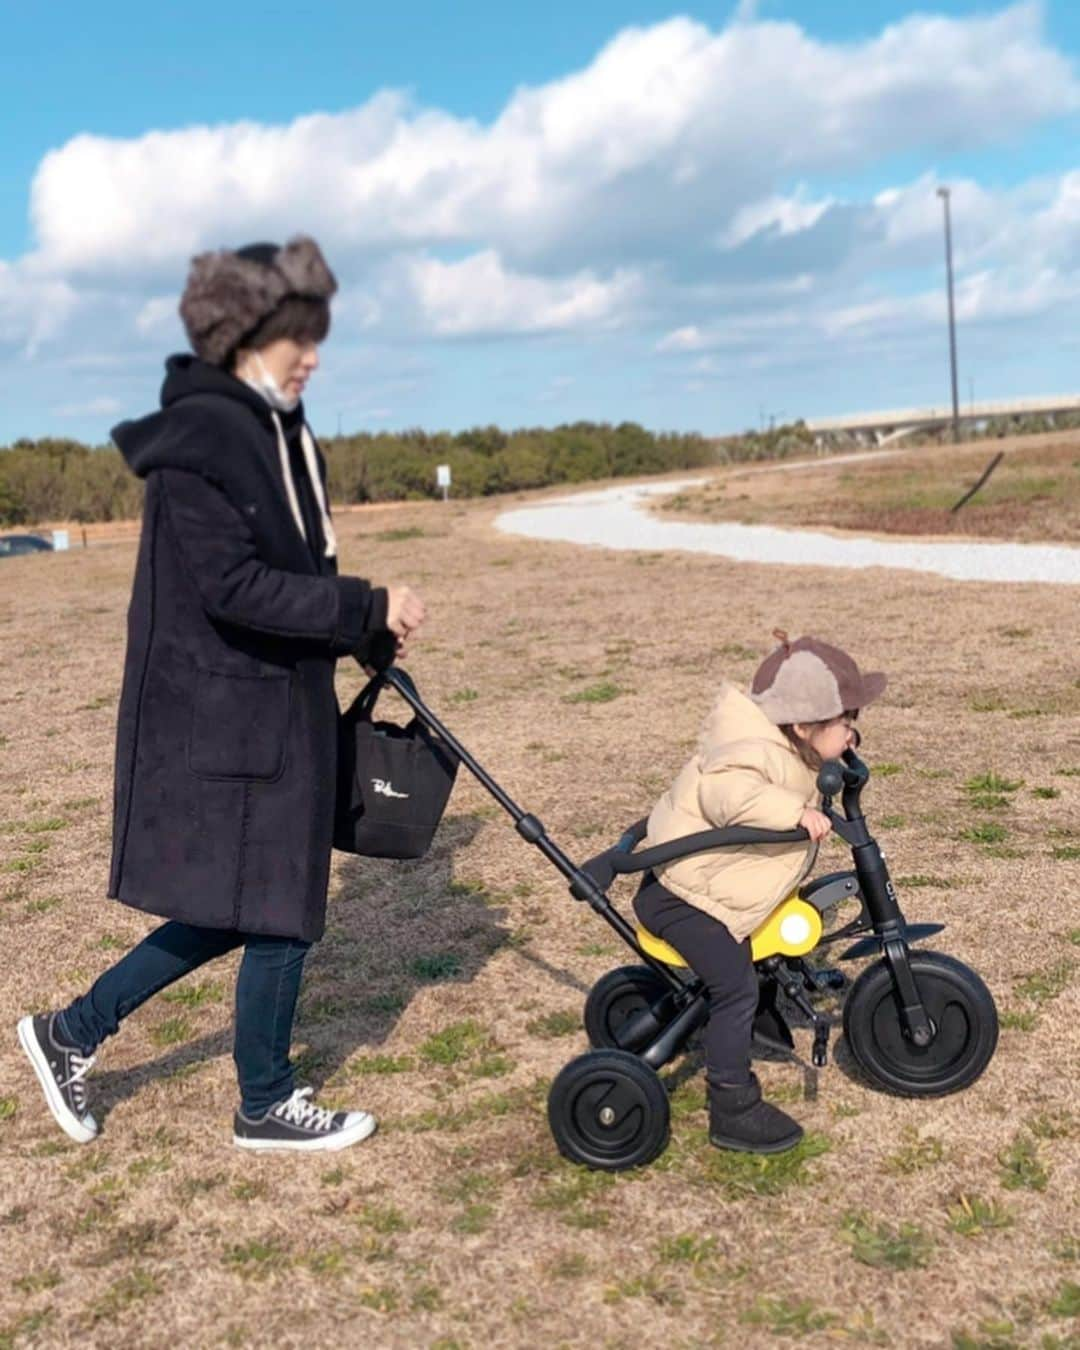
x: 756, y: 764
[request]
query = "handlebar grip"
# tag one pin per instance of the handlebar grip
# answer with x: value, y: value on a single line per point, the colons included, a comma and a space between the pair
x: 630, y: 839
x: 830, y: 779
x: 857, y: 769
x: 378, y: 651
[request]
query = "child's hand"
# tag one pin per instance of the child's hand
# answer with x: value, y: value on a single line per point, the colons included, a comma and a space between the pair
x: 816, y: 824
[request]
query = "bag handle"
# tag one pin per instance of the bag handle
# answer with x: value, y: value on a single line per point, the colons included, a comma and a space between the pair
x: 364, y: 703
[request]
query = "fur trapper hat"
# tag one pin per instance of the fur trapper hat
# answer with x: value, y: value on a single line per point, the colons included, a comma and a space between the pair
x: 230, y: 292
x: 810, y: 681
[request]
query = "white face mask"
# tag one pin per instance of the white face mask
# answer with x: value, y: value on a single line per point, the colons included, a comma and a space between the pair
x: 269, y: 388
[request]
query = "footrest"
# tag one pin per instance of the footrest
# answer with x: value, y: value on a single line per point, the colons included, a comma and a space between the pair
x: 825, y: 981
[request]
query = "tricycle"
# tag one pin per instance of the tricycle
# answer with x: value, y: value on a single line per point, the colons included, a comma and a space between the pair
x: 917, y: 1023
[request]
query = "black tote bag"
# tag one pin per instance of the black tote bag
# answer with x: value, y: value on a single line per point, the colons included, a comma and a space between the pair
x: 393, y: 782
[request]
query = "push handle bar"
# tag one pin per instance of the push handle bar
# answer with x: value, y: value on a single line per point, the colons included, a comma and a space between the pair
x: 833, y: 777
x: 730, y: 837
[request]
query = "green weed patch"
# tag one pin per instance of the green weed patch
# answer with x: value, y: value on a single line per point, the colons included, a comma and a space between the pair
x: 1021, y: 1166
x: 885, y: 1247
x: 972, y: 1216
x: 604, y: 692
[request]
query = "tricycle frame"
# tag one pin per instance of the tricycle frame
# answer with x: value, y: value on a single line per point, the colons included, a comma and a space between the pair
x: 658, y: 1042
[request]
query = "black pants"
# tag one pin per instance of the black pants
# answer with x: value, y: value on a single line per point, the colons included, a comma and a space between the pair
x: 266, y: 991
x: 722, y: 963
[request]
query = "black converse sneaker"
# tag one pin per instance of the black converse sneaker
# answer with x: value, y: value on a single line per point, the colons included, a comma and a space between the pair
x: 61, y: 1070
x: 298, y: 1123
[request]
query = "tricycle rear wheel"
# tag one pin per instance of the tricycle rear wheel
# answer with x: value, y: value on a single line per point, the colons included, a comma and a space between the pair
x: 961, y: 1010
x: 617, y: 997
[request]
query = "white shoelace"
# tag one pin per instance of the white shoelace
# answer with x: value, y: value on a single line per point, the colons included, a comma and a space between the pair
x: 298, y: 1110
x: 80, y: 1067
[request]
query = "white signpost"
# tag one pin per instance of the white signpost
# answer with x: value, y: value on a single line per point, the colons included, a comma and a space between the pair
x: 60, y: 540
x: 442, y: 479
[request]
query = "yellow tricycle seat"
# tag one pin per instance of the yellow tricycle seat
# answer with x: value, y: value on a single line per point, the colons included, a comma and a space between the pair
x: 792, y: 929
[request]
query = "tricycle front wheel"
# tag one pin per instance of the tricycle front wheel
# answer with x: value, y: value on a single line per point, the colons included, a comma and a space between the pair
x: 961, y: 1010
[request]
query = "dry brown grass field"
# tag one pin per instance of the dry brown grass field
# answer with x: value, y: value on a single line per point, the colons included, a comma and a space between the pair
x: 448, y: 992
x: 1032, y: 496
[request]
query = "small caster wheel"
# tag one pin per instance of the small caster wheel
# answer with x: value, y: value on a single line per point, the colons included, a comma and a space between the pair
x: 609, y: 1111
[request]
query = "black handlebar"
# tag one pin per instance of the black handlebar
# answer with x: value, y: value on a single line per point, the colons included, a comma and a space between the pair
x: 830, y: 779
x: 837, y: 774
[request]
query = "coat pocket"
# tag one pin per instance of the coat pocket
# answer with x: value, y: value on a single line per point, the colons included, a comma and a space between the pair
x: 239, y: 725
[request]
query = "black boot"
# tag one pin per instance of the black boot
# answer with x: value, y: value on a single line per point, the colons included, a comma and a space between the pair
x: 739, y: 1119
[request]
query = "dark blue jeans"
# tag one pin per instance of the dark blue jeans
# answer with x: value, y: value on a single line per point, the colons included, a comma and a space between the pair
x: 266, y: 992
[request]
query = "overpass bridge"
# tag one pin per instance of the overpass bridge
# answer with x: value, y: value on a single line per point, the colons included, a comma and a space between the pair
x: 882, y: 427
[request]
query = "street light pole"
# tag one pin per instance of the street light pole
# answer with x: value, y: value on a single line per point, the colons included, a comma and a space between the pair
x: 943, y: 193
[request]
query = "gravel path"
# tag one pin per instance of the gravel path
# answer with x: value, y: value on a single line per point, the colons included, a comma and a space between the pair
x: 618, y: 517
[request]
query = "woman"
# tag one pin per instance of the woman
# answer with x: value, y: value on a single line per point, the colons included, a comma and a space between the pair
x: 226, y: 736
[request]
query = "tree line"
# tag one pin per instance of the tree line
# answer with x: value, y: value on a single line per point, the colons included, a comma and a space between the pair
x: 55, y: 479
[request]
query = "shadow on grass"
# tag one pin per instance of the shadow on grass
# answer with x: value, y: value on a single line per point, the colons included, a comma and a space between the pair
x: 393, y: 929
x: 557, y: 973
x: 692, y: 1063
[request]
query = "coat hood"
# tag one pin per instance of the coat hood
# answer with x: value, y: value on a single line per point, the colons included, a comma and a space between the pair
x: 164, y: 440
x: 734, y: 717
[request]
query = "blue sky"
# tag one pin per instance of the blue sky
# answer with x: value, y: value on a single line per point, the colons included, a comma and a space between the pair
x: 692, y: 217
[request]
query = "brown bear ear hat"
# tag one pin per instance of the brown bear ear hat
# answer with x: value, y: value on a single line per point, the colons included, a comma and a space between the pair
x: 230, y: 292
x: 810, y: 681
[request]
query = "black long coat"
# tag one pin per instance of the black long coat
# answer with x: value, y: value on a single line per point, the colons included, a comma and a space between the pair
x: 226, y: 737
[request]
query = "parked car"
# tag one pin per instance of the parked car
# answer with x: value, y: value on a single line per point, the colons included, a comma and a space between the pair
x: 11, y: 544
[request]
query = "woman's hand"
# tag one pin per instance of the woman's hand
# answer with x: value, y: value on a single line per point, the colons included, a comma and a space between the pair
x: 405, y: 612
x: 816, y: 824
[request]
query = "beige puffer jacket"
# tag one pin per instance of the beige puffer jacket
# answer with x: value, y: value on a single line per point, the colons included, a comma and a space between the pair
x: 745, y: 772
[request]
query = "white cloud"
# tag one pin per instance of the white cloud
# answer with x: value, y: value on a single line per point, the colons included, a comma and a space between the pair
x: 94, y: 407
x: 358, y: 308
x: 158, y: 311
x: 688, y: 339
x: 982, y: 298
x: 557, y: 389
x: 479, y: 296
x: 669, y: 125
x: 774, y: 215
x: 671, y: 189
x: 746, y: 11
x: 32, y: 309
